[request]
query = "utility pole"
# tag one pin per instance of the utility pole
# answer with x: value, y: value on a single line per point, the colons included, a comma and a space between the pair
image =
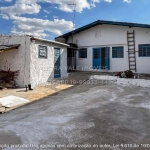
x: 74, y: 10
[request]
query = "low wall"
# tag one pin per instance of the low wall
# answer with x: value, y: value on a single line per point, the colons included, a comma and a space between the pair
x: 123, y: 81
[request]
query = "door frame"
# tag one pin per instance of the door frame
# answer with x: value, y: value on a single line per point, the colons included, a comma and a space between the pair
x: 97, y: 67
x: 107, y: 58
x: 57, y: 75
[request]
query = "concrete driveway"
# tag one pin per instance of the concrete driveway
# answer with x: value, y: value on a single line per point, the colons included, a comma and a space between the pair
x: 88, y: 116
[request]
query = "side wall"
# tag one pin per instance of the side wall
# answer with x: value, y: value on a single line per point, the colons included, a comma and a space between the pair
x: 112, y: 36
x: 42, y: 70
x: 142, y: 37
x: 17, y: 59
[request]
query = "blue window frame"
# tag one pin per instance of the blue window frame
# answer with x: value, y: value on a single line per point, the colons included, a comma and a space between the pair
x: 144, y: 50
x: 83, y: 53
x: 117, y: 52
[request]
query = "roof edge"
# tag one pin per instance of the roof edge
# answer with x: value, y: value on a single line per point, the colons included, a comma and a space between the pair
x: 45, y: 40
x: 100, y: 22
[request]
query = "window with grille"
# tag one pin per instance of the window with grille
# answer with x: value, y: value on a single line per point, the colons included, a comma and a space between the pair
x: 117, y: 52
x: 42, y: 51
x: 144, y: 50
x: 83, y: 53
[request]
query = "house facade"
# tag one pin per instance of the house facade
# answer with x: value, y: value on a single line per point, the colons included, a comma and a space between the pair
x: 38, y: 60
x: 111, y: 46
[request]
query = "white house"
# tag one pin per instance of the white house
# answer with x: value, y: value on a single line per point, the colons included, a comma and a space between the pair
x: 110, y: 46
x: 38, y: 60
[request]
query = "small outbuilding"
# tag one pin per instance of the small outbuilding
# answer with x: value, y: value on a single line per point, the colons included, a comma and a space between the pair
x: 38, y: 60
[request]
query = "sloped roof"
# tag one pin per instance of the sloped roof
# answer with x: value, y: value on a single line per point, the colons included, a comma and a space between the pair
x: 106, y: 22
x: 9, y: 47
x: 45, y: 40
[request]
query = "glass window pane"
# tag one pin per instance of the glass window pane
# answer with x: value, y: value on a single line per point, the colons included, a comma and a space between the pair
x: 96, y: 53
x: 117, y: 52
x: 144, y: 50
x: 83, y: 53
x: 148, y: 51
x: 140, y: 52
x: 42, y: 51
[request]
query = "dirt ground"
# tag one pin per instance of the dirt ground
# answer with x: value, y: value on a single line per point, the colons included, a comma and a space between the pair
x: 45, y: 90
x: 37, y: 93
x: 48, y: 89
x: 86, y: 116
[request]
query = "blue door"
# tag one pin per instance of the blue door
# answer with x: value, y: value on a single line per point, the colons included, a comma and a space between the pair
x: 97, y: 58
x: 101, y: 58
x: 107, y: 59
x: 57, y: 63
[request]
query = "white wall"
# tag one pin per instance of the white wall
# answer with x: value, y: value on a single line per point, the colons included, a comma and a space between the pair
x: 111, y: 36
x: 33, y: 70
x: 142, y: 37
x: 42, y: 70
x: 18, y: 59
x: 119, y: 64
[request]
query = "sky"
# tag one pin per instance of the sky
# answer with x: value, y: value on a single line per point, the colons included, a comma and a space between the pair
x: 51, y: 18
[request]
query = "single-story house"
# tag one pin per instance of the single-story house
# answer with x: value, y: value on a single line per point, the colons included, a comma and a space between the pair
x: 109, y: 46
x: 38, y: 60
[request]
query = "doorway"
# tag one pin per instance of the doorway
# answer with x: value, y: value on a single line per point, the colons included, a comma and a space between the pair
x: 71, y: 59
x: 57, y: 63
x: 101, y: 58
